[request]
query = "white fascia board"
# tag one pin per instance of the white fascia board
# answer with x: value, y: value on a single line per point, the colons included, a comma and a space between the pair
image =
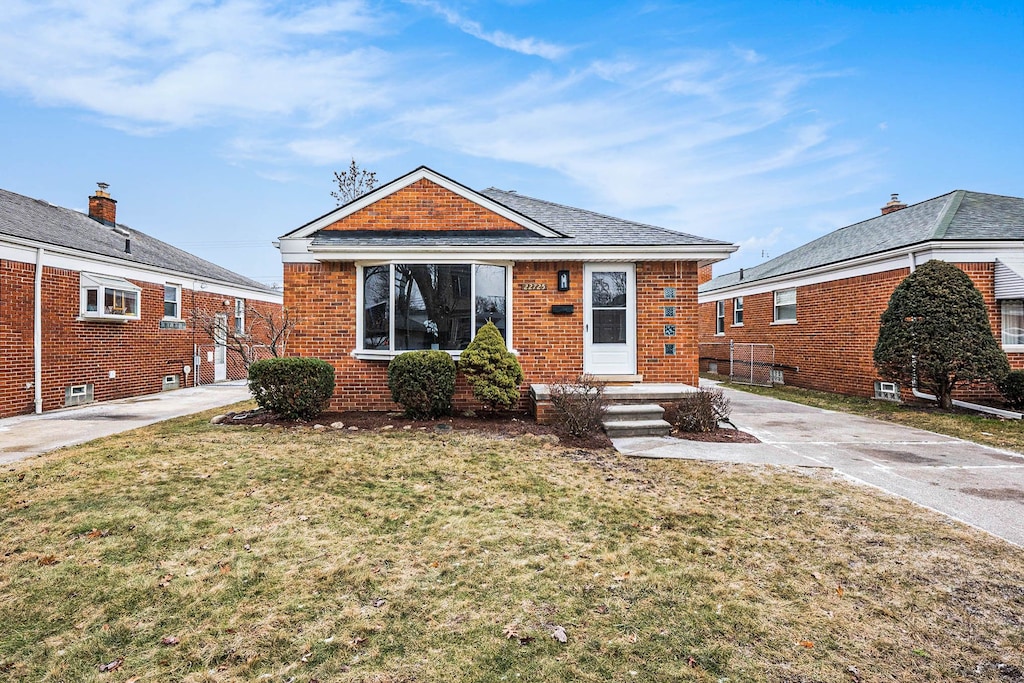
x: 422, y: 173
x: 538, y: 253
x: 16, y: 249
x: 964, y: 251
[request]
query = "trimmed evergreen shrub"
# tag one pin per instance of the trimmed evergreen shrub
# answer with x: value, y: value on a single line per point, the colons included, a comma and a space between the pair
x: 581, y: 405
x: 1012, y: 389
x: 491, y: 369
x: 936, y: 326
x: 702, y: 410
x: 294, y: 388
x: 423, y: 383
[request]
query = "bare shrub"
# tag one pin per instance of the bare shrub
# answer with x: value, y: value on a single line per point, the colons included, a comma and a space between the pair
x: 581, y: 405
x: 702, y: 410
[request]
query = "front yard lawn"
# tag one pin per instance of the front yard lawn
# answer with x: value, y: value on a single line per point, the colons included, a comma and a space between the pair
x: 191, y: 552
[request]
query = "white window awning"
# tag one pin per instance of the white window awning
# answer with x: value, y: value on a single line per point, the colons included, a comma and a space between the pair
x: 1010, y: 277
x: 108, y: 281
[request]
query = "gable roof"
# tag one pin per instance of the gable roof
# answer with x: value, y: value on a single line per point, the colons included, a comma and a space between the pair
x: 552, y: 229
x: 957, y: 216
x: 39, y: 222
x: 421, y: 173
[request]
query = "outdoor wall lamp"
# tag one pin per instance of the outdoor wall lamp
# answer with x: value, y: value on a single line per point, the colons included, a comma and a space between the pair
x: 563, y: 280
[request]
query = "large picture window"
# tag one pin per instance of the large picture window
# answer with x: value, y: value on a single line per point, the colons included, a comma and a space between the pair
x: 423, y: 306
x: 1013, y: 322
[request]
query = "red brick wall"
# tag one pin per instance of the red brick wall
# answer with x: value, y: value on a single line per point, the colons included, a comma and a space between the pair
x: 424, y: 205
x: 84, y: 352
x: 834, y: 339
x: 323, y: 298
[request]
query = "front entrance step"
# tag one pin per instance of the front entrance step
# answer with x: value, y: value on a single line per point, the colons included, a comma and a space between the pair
x: 636, y: 419
x: 637, y: 393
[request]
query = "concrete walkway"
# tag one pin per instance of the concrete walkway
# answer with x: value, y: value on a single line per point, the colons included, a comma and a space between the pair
x: 28, y: 435
x: 976, y: 484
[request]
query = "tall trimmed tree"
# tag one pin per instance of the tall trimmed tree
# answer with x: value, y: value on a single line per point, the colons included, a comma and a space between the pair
x: 936, y: 325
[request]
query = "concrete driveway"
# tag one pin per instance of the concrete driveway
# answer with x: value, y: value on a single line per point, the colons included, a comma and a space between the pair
x: 976, y: 484
x: 27, y: 435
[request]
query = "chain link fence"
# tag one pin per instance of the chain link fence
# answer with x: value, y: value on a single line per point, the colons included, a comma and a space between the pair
x: 742, y: 363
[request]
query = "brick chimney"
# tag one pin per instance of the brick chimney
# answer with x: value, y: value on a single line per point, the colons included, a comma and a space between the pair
x: 894, y: 204
x: 102, y: 208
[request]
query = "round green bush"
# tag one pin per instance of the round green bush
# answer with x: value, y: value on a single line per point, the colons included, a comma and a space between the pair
x: 1012, y: 388
x: 491, y: 369
x: 294, y: 388
x: 423, y: 383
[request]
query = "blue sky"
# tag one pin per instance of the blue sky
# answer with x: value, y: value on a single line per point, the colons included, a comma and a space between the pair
x: 218, y: 124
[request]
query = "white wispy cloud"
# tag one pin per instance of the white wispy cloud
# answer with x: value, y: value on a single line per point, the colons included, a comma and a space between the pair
x: 183, y: 63
x: 526, y: 46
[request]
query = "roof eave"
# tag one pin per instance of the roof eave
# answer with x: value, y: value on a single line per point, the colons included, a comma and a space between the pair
x: 704, y: 253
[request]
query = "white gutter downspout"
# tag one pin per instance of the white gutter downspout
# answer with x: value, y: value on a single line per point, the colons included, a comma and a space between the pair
x: 1009, y: 414
x: 37, y: 332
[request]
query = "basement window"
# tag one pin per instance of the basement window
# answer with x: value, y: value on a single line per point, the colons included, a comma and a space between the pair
x: 109, y: 298
x: 887, y: 391
x: 78, y: 394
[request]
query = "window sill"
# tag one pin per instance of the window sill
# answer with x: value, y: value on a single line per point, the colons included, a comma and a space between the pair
x: 1013, y: 348
x: 388, y: 355
x: 784, y: 322
x: 719, y: 334
x: 106, y: 318
x: 736, y: 325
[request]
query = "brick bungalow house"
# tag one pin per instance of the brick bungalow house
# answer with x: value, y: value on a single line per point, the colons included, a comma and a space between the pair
x: 424, y: 262
x: 93, y: 310
x: 820, y: 304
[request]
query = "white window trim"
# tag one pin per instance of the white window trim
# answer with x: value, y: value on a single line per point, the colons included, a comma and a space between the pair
x: 380, y: 354
x: 735, y: 301
x: 1009, y: 348
x: 239, y: 318
x: 101, y: 283
x: 175, y: 318
x: 720, y: 318
x: 775, y: 307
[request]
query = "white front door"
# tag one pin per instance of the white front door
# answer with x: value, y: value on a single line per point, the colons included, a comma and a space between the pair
x: 220, y: 349
x: 609, y: 327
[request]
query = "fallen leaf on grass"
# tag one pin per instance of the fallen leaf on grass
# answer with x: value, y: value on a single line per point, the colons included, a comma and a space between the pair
x: 169, y: 640
x: 807, y: 643
x: 165, y: 580
x: 95, y: 533
x: 558, y: 633
x: 225, y: 568
x: 112, y: 666
x: 47, y: 560
x: 839, y: 591
x: 356, y: 642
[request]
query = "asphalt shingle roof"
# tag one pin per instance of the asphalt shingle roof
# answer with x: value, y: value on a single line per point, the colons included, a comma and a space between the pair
x: 959, y: 215
x: 580, y: 228
x: 40, y: 221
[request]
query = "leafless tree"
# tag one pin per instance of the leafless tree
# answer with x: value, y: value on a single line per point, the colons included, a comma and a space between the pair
x: 353, y: 183
x: 266, y: 330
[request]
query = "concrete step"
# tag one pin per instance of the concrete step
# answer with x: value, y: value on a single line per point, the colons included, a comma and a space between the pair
x: 616, y: 429
x: 634, y: 411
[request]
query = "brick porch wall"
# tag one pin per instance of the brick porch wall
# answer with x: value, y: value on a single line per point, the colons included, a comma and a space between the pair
x: 834, y: 339
x: 84, y: 352
x: 323, y: 297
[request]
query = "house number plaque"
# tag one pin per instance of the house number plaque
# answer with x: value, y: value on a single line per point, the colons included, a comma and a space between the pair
x: 534, y: 286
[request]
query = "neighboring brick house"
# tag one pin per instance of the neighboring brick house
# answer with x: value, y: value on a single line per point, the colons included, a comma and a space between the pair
x: 93, y: 310
x: 424, y: 261
x: 820, y: 304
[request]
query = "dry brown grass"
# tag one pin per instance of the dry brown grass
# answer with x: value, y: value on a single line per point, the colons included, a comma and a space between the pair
x: 284, y: 555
